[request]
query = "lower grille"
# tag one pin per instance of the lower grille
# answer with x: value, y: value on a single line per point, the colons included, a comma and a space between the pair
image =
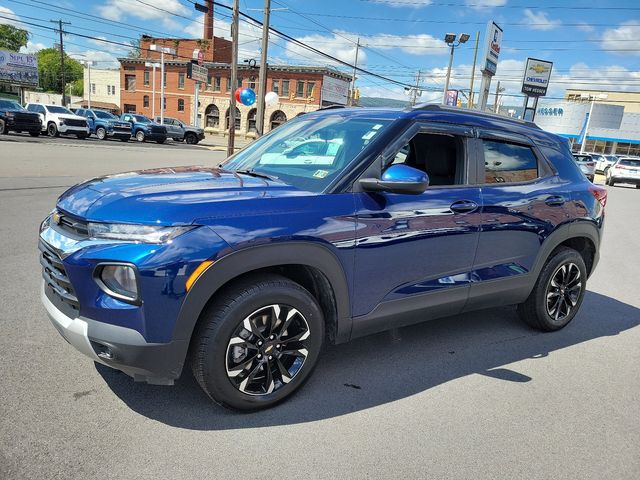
x: 55, y: 276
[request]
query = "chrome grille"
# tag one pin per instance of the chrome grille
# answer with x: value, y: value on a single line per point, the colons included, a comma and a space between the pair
x: 77, y: 228
x: 55, y: 276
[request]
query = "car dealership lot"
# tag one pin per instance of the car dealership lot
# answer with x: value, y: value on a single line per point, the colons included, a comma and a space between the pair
x: 475, y: 396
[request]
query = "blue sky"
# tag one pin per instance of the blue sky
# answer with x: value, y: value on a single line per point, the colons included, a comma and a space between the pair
x: 593, y: 44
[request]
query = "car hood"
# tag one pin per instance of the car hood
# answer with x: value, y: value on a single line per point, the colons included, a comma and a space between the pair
x: 66, y: 116
x: 174, y: 196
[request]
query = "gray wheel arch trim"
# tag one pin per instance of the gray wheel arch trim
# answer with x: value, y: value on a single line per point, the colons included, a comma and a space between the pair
x: 242, y: 261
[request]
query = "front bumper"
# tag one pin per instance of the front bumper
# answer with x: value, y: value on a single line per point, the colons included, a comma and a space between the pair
x: 73, y: 130
x: 118, y: 347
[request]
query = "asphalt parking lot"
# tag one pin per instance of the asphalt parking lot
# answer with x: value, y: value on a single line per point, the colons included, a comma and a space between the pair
x: 477, y: 396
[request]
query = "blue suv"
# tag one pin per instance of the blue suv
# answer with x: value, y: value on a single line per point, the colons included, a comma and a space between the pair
x: 337, y: 224
x: 105, y: 124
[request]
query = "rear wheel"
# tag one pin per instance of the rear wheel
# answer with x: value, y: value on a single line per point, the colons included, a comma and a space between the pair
x: 257, y: 343
x: 558, y: 293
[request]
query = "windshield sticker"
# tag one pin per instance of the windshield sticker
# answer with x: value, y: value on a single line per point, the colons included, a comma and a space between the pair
x: 320, y: 173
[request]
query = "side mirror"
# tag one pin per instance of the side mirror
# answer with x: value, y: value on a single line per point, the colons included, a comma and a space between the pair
x: 398, y: 179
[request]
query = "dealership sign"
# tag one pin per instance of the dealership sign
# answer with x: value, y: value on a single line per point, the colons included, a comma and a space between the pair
x: 492, y: 49
x: 18, y: 68
x: 536, y: 77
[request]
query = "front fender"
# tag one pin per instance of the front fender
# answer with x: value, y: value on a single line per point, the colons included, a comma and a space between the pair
x: 242, y: 261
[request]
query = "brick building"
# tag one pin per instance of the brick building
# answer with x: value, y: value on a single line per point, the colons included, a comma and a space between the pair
x: 300, y: 88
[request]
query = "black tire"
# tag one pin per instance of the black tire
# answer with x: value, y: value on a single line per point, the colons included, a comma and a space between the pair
x: 52, y: 130
x: 81, y: 136
x: 34, y: 133
x: 535, y: 310
x: 140, y: 136
x: 161, y: 141
x: 191, y: 138
x: 124, y: 139
x: 638, y: 186
x: 2, y: 127
x: 227, y: 315
x: 101, y: 133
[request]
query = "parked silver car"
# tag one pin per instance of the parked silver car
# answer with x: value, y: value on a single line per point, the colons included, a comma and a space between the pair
x: 625, y: 170
x: 587, y: 164
x: 603, y: 162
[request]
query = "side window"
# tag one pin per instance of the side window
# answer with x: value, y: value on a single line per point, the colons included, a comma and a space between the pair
x: 31, y: 108
x: 438, y: 155
x: 508, y: 162
x: 41, y: 109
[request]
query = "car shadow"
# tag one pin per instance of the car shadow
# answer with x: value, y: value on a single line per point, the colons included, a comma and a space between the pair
x: 382, y: 368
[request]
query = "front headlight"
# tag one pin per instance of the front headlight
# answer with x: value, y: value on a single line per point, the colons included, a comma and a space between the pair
x: 61, y: 122
x: 135, y: 233
x: 10, y: 114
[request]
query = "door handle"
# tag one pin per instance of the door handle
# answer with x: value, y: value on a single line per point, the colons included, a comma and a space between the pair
x: 554, y: 201
x: 463, y: 206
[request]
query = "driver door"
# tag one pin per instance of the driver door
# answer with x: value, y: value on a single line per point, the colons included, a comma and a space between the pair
x: 414, y: 253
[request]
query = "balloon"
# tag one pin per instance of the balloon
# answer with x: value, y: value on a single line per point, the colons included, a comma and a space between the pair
x: 271, y: 98
x: 237, y: 93
x: 248, y: 97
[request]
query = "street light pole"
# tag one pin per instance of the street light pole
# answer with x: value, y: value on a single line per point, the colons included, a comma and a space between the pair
x: 262, y: 76
x: 162, y: 50
x: 234, y: 77
x: 446, y: 82
x: 153, y: 66
x: 450, y: 40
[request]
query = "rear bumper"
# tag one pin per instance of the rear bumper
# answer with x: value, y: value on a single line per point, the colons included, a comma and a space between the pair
x: 624, y: 179
x: 118, y: 347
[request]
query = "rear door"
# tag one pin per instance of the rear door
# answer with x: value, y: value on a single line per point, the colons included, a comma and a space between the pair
x: 523, y: 201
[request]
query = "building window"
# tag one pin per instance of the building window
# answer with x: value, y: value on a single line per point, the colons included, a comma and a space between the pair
x: 212, y: 116
x: 129, y: 108
x: 252, y: 83
x: 300, y: 89
x: 217, y: 84
x: 209, y: 81
x: 239, y: 82
x: 145, y: 101
x: 228, y: 84
x: 311, y: 86
x: 508, y: 163
x: 251, y: 121
x: 277, y: 118
x: 93, y: 88
x: 285, y: 88
x: 164, y: 103
x: 237, y: 122
x: 181, y: 81
x: 164, y: 77
x: 146, y: 78
x: 275, y: 86
x: 130, y: 82
x: 181, y: 104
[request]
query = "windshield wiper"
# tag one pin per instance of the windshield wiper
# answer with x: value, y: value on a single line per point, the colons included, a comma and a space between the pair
x: 253, y: 173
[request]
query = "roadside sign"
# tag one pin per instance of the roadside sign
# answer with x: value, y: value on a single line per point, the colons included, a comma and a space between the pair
x: 536, y: 77
x: 197, y: 72
x: 451, y: 98
x: 493, y: 41
x: 18, y: 68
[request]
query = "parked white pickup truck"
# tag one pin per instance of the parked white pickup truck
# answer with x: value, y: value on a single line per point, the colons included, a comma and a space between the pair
x: 58, y: 120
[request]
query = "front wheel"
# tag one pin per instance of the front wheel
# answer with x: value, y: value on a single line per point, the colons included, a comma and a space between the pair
x: 101, y: 133
x: 558, y: 293
x: 140, y: 136
x: 52, y: 130
x: 257, y: 343
x: 161, y: 141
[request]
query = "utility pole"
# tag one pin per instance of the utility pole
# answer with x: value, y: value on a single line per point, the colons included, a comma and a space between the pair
x: 415, y: 91
x: 262, y: 76
x: 234, y: 78
x: 495, y: 102
x: 355, y: 67
x: 473, y: 70
x: 60, y: 24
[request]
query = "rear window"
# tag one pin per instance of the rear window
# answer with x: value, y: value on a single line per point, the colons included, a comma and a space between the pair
x: 630, y: 163
x: 582, y: 158
x: 509, y: 163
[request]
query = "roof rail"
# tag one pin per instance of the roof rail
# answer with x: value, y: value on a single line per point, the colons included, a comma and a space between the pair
x: 447, y: 108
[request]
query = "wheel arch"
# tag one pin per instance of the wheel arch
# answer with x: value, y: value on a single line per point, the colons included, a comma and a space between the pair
x: 313, y: 266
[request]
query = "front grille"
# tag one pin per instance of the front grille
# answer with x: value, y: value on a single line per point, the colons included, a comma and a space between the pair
x: 23, y: 117
x: 72, y: 122
x: 77, y: 228
x: 55, y: 276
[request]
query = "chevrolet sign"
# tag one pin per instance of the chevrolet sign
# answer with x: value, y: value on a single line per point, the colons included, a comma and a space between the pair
x: 536, y: 77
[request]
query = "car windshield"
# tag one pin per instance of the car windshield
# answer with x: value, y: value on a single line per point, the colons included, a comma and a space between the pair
x: 10, y: 104
x: 141, y: 119
x: 308, y: 153
x: 630, y: 163
x: 57, y: 109
x: 105, y: 115
x: 582, y: 158
x: 611, y: 158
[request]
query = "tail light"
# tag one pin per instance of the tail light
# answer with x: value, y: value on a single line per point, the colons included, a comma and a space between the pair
x: 620, y: 167
x: 599, y: 194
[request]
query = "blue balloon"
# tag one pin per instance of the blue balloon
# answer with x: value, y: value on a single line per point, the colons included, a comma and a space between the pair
x: 248, y: 97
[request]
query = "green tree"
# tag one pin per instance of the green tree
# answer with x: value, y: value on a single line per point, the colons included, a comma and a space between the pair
x: 50, y: 72
x: 77, y: 88
x: 12, y: 38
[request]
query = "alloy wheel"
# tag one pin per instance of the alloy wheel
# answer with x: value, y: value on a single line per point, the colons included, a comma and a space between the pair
x: 563, y: 291
x: 101, y: 133
x: 267, y: 350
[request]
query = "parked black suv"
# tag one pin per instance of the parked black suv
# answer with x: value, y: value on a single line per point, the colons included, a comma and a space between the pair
x: 13, y: 117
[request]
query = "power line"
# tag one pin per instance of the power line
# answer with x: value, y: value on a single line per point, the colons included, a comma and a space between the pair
x: 489, y: 5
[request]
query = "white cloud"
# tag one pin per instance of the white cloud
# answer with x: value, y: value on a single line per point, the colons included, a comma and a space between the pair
x: 625, y: 37
x: 540, y: 20
x: 103, y: 60
x: 483, y: 4
x: 404, y: 3
x: 585, y: 27
x: 33, y: 47
x: 14, y: 20
x: 118, y: 9
x: 110, y: 47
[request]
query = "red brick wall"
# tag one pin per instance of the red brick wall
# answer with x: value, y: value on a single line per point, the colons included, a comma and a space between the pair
x: 215, y: 50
